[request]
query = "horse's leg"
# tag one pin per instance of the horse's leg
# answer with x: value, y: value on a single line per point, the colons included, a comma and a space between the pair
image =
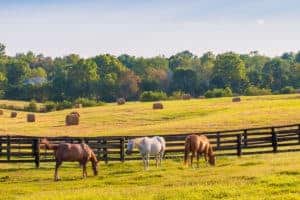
x: 156, y: 159
x: 56, y: 177
x: 198, y: 156
x: 161, y: 157
x: 205, y: 155
x: 84, y: 172
x: 192, y: 157
x: 147, y: 160
x: 144, y: 160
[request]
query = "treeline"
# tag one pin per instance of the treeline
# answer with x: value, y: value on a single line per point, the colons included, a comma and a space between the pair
x: 106, y: 77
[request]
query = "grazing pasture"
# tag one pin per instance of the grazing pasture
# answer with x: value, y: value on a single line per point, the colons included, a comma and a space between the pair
x: 272, y: 176
x: 178, y: 116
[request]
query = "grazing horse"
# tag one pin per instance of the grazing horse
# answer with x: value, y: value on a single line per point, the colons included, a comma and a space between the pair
x: 81, y: 153
x: 198, y: 144
x: 148, y: 146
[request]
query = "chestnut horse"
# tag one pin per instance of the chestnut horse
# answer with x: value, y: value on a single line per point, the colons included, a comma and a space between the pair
x: 198, y: 144
x: 81, y: 153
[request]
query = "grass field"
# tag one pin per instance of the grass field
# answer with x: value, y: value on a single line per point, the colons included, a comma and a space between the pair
x: 181, y: 116
x: 273, y: 176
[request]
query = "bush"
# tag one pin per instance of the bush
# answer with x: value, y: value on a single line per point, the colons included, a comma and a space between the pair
x: 32, y: 107
x: 50, y: 106
x: 153, y: 96
x: 64, y: 105
x: 218, y: 92
x: 288, y: 90
x: 85, y: 102
x: 255, y: 91
x: 176, y: 95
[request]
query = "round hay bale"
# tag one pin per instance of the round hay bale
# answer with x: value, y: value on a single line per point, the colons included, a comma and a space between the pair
x: 1, y: 112
x: 72, y: 119
x: 78, y: 105
x: 186, y: 96
x: 42, y: 109
x: 157, y: 105
x: 236, y: 99
x: 30, y: 117
x: 13, y: 114
x: 201, y: 97
x: 75, y: 113
x: 121, y: 101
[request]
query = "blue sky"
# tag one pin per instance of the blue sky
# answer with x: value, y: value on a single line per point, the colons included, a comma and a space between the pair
x: 149, y: 28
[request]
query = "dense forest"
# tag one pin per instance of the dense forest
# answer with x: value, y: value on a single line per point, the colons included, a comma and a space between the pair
x: 106, y: 77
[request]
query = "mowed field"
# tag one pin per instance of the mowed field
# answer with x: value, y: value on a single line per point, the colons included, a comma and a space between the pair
x: 272, y: 176
x: 178, y: 116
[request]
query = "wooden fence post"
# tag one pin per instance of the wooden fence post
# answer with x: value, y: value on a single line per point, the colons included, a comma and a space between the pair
x: 239, y: 144
x: 0, y: 146
x: 245, y: 138
x: 122, y: 149
x: 98, y: 149
x: 218, y: 140
x: 105, y: 153
x: 36, y: 149
x: 274, y: 140
x: 8, y: 148
x: 299, y: 133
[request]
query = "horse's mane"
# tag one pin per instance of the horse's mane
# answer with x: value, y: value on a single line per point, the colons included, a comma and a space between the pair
x: 137, y: 141
x: 48, y: 145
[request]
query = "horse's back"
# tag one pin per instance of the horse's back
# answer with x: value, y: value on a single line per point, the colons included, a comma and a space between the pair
x: 153, y: 145
x: 70, y: 152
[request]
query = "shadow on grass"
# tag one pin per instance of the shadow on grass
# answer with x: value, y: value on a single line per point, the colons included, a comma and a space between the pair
x: 290, y: 173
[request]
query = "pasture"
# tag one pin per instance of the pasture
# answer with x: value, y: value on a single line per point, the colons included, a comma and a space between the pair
x: 272, y: 176
x: 178, y: 116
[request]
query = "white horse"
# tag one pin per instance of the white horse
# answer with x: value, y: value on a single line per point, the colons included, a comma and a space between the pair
x: 148, y: 146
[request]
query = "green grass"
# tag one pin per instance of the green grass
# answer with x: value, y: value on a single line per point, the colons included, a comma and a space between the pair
x: 273, y: 176
x: 179, y: 116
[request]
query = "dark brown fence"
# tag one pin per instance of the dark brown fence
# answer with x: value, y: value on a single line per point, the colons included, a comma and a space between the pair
x: 14, y: 148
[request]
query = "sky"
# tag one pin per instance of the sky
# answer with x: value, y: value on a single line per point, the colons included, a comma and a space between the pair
x: 149, y: 27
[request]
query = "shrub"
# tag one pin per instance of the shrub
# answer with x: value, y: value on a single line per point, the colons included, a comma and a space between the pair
x: 153, y: 96
x: 32, y: 107
x: 85, y: 102
x: 50, y: 106
x: 255, y: 91
x: 218, y: 92
x: 176, y: 95
x: 63, y: 105
x: 288, y: 90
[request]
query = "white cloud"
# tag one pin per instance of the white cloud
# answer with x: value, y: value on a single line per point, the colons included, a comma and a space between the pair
x: 260, y: 21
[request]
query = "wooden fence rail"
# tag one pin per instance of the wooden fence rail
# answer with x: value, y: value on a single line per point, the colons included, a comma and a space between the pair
x: 17, y: 148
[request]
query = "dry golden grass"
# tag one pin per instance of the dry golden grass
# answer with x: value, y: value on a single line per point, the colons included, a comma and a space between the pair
x: 136, y: 118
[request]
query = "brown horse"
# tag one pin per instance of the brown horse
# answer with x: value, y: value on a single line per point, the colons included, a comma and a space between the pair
x: 198, y: 145
x: 81, y: 153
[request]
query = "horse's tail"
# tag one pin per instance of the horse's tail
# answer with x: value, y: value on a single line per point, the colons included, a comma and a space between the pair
x: 48, y: 145
x: 187, y: 148
x: 163, y: 142
x: 163, y: 145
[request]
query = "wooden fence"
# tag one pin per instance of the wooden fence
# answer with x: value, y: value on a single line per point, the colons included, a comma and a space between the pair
x: 14, y: 148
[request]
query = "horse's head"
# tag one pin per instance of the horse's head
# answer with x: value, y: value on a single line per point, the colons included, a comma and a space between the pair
x: 212, y: 159
x: 94, y: 162
x: 130, y: 146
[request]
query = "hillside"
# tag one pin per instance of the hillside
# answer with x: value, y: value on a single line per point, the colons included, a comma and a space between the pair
x: 180, y: 116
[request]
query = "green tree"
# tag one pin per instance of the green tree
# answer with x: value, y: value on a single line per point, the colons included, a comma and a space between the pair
x: 129, y: 85
x: 229, y: 71
x: 184, y: 80
x: 3, y: 82
x: 2, y: 50
x: 82, y: 78
x: 276, y: 74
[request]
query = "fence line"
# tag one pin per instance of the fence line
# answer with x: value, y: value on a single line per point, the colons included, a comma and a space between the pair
x: 18, y: 148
